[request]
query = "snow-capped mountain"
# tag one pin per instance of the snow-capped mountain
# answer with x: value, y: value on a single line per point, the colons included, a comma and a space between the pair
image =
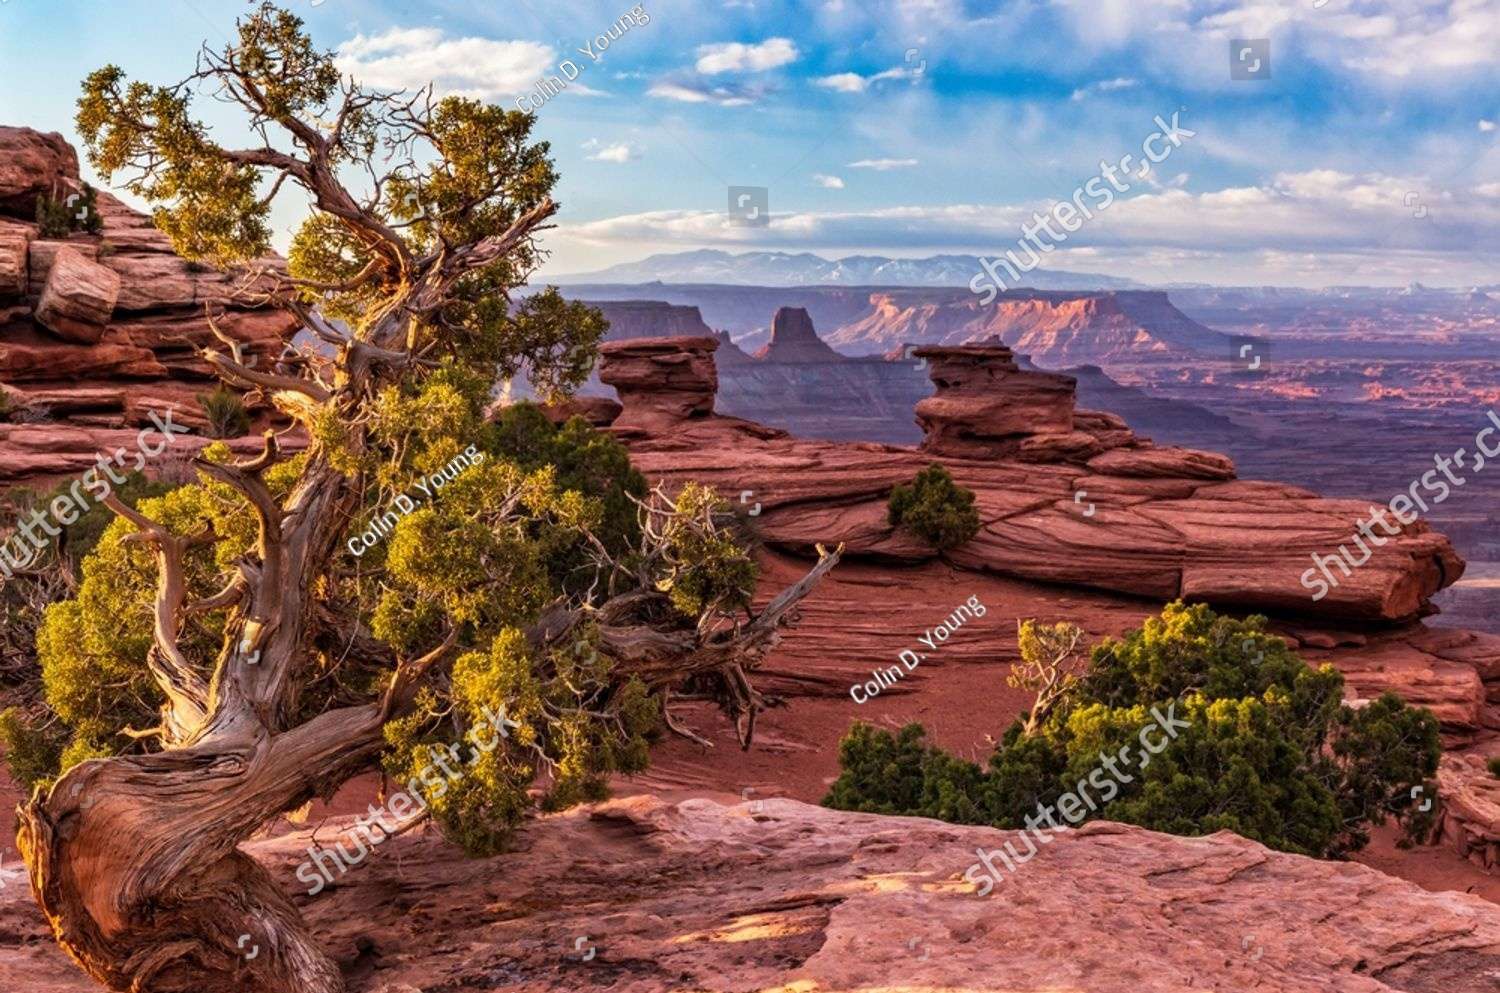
x: 807, y: 269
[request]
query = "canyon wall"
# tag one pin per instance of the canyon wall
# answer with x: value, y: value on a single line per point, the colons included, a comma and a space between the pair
x: 98, y: 331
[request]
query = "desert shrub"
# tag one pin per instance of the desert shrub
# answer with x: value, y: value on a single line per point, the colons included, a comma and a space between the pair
x: 227, y: 417
x: 33, y: 747
x: 709, y: 571
x: 1494, y: 765
x: 935, y: 508
x: 56, y: 218
x: 584, y: 460
x: 7, y: 406
x: 1269, y: 751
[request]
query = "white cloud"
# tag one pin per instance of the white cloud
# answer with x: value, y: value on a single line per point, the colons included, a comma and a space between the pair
x: 620, y: 152
x: 1399, y: 38
x: 883, y: 165
x: 828, y: 182
x: 696, y: 92
x: 853, y: 82
x: 736, y: 57
x: 844, y: 82
x: 1104, y: 86
x: 480, y: 68
x: 1486, y: 125
x: 1363, y: 220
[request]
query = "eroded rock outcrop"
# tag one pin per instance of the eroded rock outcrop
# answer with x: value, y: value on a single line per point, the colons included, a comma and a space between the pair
x: 985, y: 404
x: 641, y: 895
x: 98, y: 331
x: 660, y: 380
x: 1136, y: 519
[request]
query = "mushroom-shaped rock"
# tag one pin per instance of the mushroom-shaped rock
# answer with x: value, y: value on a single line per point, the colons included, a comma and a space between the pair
x: 661, y: 380
x: 986, y: 405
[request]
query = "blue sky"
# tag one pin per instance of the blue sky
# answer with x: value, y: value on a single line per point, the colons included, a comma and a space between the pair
x: 910, y: 127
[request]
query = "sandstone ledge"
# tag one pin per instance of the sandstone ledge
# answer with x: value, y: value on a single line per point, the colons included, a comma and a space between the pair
x: 1141, y: 520
x: 777, y: 895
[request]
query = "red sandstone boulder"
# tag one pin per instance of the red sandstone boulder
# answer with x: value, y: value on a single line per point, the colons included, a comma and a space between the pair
x: 661, y: 380
x: 78, y: 299
x: 42, y: 252
x: 33, y: 163
x: 986, y: 405
x: 14, y: 241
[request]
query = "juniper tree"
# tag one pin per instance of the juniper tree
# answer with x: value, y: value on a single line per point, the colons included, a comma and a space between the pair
x: 229, y: 655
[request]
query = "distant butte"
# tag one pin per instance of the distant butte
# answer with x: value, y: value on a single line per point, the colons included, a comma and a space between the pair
x: 794, y: 340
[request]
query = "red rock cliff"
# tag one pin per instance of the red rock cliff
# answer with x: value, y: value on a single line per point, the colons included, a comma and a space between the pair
x: 1094, y: 506
x: 96, y: 331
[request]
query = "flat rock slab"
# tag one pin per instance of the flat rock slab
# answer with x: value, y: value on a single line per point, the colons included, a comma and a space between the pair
x: 644, y: 896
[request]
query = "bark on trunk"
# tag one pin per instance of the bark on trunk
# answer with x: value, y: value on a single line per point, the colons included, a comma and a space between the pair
x: 135, y: 862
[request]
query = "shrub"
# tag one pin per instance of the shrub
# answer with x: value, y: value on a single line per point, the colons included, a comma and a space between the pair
x: 1494, y: 765
x: 1269, y: 752
x: 226, y: 413
x: 57, y: 218
x: 935, y: 508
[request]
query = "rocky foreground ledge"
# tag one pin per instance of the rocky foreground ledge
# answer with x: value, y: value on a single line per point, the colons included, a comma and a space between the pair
x: 644, y: 896
x: 1065, y: 495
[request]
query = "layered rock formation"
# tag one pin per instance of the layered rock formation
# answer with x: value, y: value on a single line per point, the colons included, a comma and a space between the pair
x: 643, y: 895
x: 98, y: 331
x: 1096, y: 506
x: 1054, y: 328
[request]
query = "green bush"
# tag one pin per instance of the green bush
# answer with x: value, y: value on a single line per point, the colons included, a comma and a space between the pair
x: 1270, y: 752
x: 33, y: 748
x: 1494, y: 765
x: 227, y: 417
x: 57, y: 218
x: 935, y: 508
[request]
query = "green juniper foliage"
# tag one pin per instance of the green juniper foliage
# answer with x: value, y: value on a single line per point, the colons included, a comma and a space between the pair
x: 1271, y: 752
x: 935, y: 508
x: 56, y: 218
x: 546, y: 548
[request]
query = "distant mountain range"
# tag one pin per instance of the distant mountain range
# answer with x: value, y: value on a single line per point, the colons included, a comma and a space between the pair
x: 806, y: 269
